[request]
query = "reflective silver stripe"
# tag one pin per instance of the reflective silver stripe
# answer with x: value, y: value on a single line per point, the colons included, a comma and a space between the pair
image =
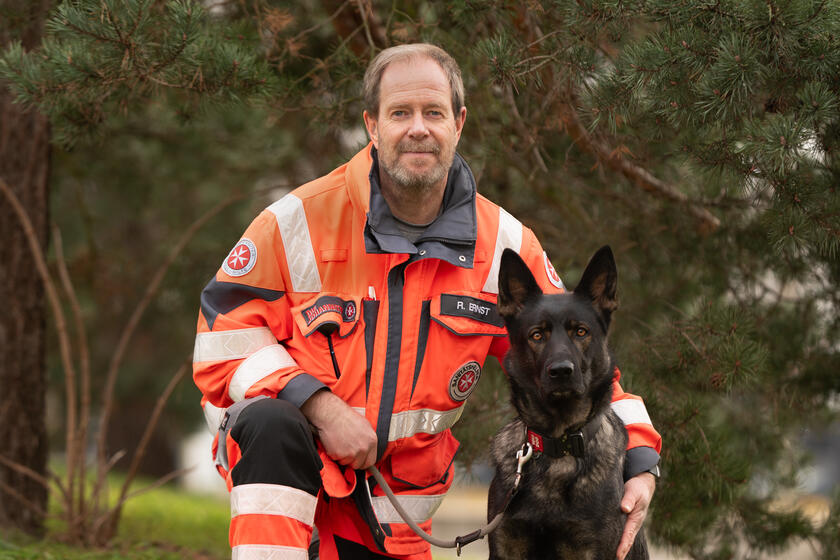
x: 428, y: 421
x: 231, y: 345
x: 300, y: 256
x: 257, y: 366
x: 508, y: 237
x: 273, y: 499
x: 268, y: 552
x: 631, y: 411
x: 406, y: 424
x: 213, y: 416
x: 419, y: 508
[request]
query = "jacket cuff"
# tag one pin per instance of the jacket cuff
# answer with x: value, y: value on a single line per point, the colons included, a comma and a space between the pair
x: 639, y: 460
x: 300, y: 388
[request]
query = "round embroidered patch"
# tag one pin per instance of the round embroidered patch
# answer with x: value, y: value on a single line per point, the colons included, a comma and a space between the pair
x: 241, y: 258
x: 553, y: 277
x: 349, y: 311
x: 463, y: 381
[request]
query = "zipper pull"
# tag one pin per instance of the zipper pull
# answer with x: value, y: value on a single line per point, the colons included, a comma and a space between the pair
x: 371, y: 293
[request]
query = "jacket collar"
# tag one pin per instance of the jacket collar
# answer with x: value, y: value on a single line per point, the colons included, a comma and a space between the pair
x: 451, y: 237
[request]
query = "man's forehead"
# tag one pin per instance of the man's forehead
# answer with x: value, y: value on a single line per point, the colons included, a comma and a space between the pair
x: 414, y: 74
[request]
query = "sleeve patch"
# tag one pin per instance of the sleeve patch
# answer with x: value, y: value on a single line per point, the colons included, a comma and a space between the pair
x: 553, y: 277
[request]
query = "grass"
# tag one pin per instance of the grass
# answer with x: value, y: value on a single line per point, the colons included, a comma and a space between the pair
x: 163, y: 524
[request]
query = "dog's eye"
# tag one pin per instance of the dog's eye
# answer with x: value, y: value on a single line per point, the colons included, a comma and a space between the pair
x: 536, y: 336
x: 581, y: 332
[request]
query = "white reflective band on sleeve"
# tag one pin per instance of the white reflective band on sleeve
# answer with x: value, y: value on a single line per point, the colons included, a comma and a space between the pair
x: 419, y: 508
x: 273, y: 499
x: 231, y: 345
x: 509, y: 237
x: 213, y: 416
x: 268, y: 552
x: 406, y: 424
x: 257, y: 366
x: 631, y: 411
x: 300, y: 256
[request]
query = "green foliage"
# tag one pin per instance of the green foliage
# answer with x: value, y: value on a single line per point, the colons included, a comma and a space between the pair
x: 164, y: 524
x: 593, y: 122
x: 103, y: 58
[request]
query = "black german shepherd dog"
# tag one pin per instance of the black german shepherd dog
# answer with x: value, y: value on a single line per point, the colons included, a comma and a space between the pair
x: 560, y: 372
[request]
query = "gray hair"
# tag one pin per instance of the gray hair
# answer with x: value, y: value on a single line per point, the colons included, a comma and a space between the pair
x: 399, y: 53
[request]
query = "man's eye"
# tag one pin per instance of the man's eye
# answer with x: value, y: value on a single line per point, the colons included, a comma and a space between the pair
x: 581, y: 332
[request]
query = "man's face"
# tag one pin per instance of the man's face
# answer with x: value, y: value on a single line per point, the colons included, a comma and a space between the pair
x: 415, y: 131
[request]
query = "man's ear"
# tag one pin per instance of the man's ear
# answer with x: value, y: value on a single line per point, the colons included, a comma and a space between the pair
x: 516, y: 284
x: 599, y: 282
x: 460, y: 119
x: 372, y: 128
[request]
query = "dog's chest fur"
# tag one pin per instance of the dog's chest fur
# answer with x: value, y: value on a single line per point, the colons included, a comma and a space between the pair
x: 558, y: 511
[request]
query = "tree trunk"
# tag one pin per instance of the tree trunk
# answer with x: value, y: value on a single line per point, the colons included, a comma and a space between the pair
x: 24, y: 166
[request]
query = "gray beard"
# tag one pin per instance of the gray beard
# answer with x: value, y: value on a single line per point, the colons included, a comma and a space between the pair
x: 416, y: 184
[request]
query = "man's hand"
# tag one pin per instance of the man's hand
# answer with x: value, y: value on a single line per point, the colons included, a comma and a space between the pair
x: 638, y: 491
x: 345, y: 434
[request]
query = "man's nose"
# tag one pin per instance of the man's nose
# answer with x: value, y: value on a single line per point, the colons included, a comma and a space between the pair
x: 418, y: 128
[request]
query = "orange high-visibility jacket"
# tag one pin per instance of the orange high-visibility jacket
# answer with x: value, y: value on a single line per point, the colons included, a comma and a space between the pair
x: 410, y: 324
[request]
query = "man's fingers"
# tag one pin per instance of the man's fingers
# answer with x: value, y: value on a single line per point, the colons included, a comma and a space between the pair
x: 638, y: 492
x: 634, y: 522
x: 627, y: 503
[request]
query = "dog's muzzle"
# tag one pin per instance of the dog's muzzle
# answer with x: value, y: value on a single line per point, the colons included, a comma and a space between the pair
x: 562, y: 369
x: 562, y: 377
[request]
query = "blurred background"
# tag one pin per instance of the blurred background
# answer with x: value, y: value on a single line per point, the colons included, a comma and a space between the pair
x: 138, y: 138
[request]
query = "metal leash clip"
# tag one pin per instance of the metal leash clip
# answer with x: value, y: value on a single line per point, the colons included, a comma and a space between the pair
x: 523, y: 455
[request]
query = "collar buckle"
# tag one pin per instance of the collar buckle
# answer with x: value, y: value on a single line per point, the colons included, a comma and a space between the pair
x: 576, y: 444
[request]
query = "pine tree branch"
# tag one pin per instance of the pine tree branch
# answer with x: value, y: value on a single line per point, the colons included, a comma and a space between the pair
x: 815, y: 14
x: 365, y: 11
x: 640, y: 176
x: 348, y: 23
x: 522, y: 129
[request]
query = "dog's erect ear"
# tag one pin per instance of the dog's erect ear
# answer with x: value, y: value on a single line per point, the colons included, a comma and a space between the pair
x: 599, y: 282
x: 516, y: 284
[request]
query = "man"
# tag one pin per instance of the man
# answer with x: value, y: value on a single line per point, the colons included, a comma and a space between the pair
x: 360, y: 308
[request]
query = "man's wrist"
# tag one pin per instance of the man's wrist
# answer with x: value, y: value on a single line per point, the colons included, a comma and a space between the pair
x: 313, y: 407
x: 640, y: 459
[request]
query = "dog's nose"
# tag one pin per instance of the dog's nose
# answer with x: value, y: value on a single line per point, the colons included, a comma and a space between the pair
x: 561, y: 369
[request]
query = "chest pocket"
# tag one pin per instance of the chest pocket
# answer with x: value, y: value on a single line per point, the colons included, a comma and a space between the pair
x: 324, y: 343
x: 468, y: 314
x: 328, y: 313
x: 456, y: 333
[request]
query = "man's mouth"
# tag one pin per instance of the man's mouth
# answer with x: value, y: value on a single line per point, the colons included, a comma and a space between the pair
x: 412, y: 150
